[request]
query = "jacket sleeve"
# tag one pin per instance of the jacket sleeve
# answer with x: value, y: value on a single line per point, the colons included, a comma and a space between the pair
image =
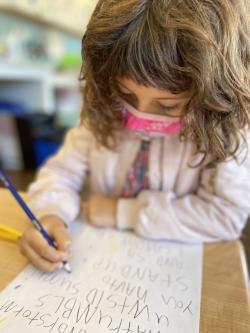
x: 217, y: 211
x: 56, y: 188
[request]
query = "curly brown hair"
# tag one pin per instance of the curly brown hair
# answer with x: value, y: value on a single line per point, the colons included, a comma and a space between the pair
x: 200, y: 45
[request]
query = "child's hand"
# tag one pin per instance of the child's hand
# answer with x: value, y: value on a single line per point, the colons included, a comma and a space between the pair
x: 35, y: 247
x: 101, y: 211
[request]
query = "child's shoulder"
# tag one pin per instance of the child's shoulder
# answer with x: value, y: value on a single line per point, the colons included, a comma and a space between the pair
x: 80, y: 131
x: 79, y: 136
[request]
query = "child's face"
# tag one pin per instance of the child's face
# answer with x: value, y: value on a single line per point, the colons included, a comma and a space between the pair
x: 153, y: 100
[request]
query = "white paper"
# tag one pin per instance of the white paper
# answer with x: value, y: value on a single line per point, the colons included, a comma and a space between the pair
x: 120, y: 284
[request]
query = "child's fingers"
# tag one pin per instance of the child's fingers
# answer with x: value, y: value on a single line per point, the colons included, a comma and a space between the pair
x: 61, y: 237
x: 38, y: 261
x: 39, y: 244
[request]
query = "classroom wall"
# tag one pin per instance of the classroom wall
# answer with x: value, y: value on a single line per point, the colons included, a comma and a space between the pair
x: 73, y: 14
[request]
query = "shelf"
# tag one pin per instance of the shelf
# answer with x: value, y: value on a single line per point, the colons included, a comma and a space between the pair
x: 64, y: 81
x: 10, y: 72
x: 41, y: 74
x: 36, y: 87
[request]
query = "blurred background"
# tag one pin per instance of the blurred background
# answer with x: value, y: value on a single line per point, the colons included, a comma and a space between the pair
x: 40, y: 60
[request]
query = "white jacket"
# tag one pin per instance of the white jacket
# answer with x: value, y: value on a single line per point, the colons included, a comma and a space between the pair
x: 183, y: 203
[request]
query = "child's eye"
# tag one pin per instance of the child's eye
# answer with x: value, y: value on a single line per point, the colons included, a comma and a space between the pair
x: 169, y: 107
x: 127, y: 97
x: 121, y: 92
x: 124, y: 93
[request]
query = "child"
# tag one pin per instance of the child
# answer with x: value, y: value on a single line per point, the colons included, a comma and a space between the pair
x: 164, y: 129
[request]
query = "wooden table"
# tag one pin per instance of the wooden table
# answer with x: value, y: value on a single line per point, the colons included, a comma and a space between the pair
x: 225, y: 305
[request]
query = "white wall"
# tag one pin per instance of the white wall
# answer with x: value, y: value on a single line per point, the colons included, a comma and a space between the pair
x: 73, y: 14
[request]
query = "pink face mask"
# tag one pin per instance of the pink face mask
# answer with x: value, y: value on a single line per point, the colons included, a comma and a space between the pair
x: 155, y: 125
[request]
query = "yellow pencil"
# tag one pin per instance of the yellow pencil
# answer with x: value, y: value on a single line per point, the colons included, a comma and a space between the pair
x: 9, y: 234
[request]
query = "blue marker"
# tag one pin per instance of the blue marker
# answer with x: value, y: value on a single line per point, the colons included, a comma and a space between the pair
x: 30, y: 215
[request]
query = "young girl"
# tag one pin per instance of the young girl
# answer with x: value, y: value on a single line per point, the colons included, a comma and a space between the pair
x: 164, y: 130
